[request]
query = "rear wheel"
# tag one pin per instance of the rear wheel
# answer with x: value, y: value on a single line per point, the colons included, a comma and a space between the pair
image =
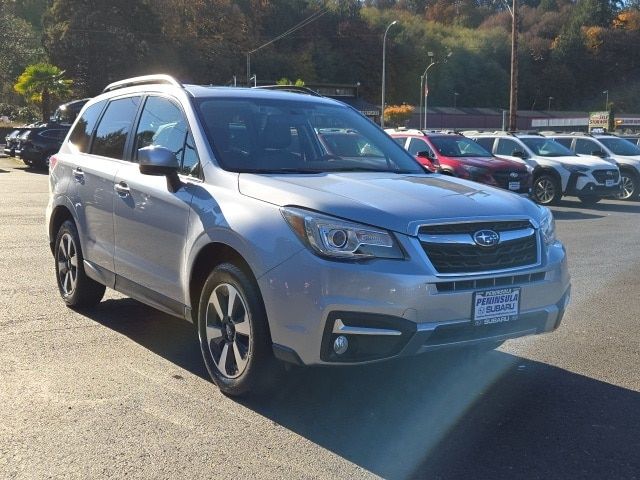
x: 546, y: 189
x: 630, y: 185
x: 76, y: 289
x: 233, y: 332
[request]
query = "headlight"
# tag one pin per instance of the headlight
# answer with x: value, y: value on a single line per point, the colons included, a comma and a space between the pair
x: 474, y: 172
x: 547, y: 227
x: 335, y: 238
x: 575, y: 168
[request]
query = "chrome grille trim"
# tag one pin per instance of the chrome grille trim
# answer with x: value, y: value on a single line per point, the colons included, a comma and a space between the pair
x: 467, y: 239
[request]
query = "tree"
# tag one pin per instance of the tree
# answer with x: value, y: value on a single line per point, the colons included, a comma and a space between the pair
x: 98, y: 42
x: 397, y: 115
x: 40, y: 84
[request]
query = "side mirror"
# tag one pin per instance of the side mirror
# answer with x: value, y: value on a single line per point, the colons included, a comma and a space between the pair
x: 519, y: 154
x: 426, y: 154
x: 599, y: 153
x: 160, y: 161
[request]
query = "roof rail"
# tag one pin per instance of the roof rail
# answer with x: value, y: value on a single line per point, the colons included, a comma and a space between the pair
x: 290, y: 88
x: 144, y: 80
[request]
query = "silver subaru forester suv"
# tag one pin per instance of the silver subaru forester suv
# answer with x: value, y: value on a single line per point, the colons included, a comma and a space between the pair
x: 228, y: 208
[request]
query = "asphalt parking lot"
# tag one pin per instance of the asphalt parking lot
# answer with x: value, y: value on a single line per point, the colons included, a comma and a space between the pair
x: 122, y: 391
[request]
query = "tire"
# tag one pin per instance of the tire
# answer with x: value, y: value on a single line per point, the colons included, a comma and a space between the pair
x: 590, y: 200
x: 546, y: 189
x: 234, y: 339
x: 77, y: 290
x: 630, y: 186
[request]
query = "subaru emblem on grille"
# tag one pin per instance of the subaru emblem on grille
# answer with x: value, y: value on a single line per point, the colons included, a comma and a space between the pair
x: 513, y: 174
x: 486, y: 238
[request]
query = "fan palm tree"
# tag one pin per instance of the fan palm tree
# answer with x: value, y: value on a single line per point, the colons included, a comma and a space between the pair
x: 41, y: 83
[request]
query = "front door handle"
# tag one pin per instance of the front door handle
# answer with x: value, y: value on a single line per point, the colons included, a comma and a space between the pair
x: 122, y: 189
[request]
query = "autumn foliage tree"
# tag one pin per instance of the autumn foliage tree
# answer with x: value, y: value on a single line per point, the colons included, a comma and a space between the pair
x: 398, y: 115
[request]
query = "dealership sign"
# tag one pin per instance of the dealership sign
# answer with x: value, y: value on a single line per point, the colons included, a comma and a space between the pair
x: 599, y: 120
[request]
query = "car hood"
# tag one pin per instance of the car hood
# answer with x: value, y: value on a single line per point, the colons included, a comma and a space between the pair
x: 635, y: 158
x: 396, y: 202
x: 493, y: 163
x: 588, y: 161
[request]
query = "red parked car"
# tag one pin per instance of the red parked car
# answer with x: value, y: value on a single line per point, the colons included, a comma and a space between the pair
x: 459, y: 156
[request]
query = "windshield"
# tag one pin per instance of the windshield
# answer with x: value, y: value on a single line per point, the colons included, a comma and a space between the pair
x: 620, y: 146
x: 279, y: 136
x: 547, y: 147
x: 455, y: 146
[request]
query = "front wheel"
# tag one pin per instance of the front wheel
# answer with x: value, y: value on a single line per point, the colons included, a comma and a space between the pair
x: 546, y: 190
x: 233, y: 332
x: 630, y: 186
x: 76, y: 289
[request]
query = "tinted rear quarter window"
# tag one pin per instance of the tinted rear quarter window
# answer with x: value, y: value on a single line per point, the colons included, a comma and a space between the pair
x: 80, y: 137
x: 114, y: 126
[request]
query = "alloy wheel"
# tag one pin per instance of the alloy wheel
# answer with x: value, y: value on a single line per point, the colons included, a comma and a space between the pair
x: 544, y: 190
x: 628, y: 187
x: 67, y: 264
x: 228, y: 330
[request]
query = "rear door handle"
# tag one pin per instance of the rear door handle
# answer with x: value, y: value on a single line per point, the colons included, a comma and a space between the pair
x: 122, y: 189
x: 78, y: 174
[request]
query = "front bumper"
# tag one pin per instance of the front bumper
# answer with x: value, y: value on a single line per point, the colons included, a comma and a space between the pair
x: 585, y: 186
x: 306, y: 295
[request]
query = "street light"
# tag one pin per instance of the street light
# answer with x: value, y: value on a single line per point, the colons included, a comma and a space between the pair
x: 606, y: 104
x: 384, y: 65
x: 425, y: 77
x: 549, y: 104
x: 455, y: 99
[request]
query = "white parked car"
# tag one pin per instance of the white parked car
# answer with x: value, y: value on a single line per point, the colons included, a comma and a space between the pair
x: 557, y: 171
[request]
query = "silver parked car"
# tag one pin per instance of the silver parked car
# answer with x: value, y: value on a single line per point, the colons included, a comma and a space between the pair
x: 222, y: 206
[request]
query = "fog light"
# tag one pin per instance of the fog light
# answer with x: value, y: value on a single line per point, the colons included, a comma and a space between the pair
x: 340, y: 344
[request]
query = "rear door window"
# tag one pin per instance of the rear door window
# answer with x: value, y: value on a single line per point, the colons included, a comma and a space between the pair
x: 114, y: 127
x: 80, y: 137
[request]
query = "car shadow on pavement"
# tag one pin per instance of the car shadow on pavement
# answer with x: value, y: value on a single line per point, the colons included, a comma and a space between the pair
x: 449, y: 415
x: 604, y: 206
x: 174, y: 339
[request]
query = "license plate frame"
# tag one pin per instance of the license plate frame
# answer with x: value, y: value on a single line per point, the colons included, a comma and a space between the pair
x: 609, y: 182
x: 514, y: 185
x: 485, y: 313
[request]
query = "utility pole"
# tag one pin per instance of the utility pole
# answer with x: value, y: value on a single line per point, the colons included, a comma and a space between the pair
x: 513, y: 94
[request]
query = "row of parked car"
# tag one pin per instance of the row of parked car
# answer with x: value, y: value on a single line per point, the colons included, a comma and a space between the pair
x: 36, y: 143
x: 546, y: 165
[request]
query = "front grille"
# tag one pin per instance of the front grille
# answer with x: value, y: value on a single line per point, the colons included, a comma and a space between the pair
x: 462, y: 285
x: 602, y: 176
x: 504, y: 177
x: 470, y: 228
x: 451, y: 249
